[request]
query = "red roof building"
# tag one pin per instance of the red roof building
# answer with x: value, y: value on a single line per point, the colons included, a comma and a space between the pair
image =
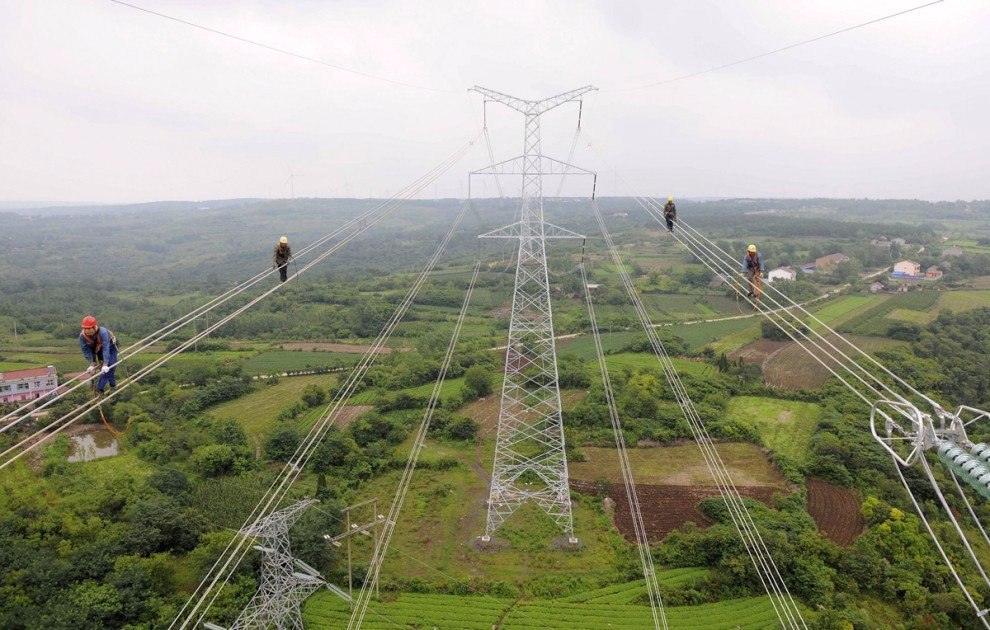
x: 20, y: 385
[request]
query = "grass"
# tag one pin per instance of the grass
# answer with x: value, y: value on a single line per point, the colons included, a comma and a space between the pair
x: 786, y: 426
x: 874, y: 320
x: 963, y: 300
x: 680, y: 464
x: 325, y: 610
x: 739, y: 338
x: 256, y: 411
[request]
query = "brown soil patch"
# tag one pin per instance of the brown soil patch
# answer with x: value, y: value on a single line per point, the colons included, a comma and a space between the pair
x: 665, y: 508
x: 836, y: 511
x: 485, y: 410
x: 348, y: 414
x: 348, y: 348
x: 756, y: 353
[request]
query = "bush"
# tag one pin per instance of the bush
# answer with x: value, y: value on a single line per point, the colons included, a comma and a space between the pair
x: 281, y: 443
x: 213, y: 460
x: 313, y: 395
x: 478, y: 380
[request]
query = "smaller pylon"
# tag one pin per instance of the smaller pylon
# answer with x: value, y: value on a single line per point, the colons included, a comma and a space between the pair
x: 285, y: 582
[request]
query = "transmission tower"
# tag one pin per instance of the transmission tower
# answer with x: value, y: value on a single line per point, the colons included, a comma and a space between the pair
x: 285, y: 581
x: 530, y: 464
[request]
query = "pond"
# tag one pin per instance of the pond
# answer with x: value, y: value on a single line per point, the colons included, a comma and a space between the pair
x: 89, y: 446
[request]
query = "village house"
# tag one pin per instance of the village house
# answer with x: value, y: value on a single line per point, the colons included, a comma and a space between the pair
x: 900, y: 242
x: 876, y: 287
x: 906, y: 269
x: 826, y: 264
x: 933, y: 273
x: 20, y: 385
x: 954, y: 252
x: 781, y: 273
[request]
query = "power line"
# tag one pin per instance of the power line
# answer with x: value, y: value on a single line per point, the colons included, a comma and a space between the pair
x: 282, y: 51
x: 770, y: 52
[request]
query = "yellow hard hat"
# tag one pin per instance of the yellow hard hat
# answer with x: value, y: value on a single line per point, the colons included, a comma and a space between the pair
x: 284, y: 240
x: 752, y: 248
x: 670, y: 198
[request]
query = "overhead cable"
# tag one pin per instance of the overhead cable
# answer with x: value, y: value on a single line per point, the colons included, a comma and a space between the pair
x: 283, y: 51
x: 771, y: 52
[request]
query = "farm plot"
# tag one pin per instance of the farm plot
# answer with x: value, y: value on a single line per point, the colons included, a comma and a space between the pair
x: 700, y: 334
x: 874, y: 320
x: 256, y: 412
x: 794, y: 368
x: 485, y: 410
x: 680, y: 464
x: 963, y: 300
x: 786, y: 426
x: 836, y: 511
x: 666, y: 508
x: 325, y: 610
x: 845, y: 308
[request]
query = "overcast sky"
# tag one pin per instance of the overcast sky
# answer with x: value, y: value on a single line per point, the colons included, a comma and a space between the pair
x: 104, y: 103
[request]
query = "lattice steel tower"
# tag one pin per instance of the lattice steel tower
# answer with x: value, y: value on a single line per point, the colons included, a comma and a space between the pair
x: 285, y: 582
x: 529, y: 453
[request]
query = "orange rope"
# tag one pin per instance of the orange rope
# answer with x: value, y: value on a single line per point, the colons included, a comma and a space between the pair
x: 109, y: 428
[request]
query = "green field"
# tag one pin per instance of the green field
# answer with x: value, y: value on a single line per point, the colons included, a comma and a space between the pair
x: 963, y: 300
x: 786, y: 426
x: 699, y: 335
x: 874, y: 320
x: 641, y: 360
x: 278, y: 361
x: 450, y: 389
x: 681, y: 464
x: 256, y: 412
x: 325, y: 610
x: 844, y: 308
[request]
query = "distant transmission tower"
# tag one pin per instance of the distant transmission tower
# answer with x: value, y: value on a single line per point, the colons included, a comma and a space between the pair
x: 285, y: 582
x: 529, y: 454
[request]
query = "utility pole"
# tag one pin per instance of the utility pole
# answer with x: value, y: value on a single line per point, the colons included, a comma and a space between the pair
x: 530, y: 463
x: 352, y: 529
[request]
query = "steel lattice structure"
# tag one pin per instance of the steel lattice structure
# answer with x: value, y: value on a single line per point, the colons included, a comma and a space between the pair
x: 530, y: 464
x: 285, y: 582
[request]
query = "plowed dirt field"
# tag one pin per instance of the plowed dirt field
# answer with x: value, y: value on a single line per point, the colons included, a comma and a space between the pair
x: 836, y: 511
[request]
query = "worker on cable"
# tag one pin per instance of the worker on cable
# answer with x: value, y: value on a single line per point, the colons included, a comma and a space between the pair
x: 99, y: 346
x: 670, y: 213
x: 281, y: 258
x: 752, y: 267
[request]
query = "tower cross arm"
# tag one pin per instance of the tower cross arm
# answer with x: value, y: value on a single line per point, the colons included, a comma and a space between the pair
x: 532, y: 107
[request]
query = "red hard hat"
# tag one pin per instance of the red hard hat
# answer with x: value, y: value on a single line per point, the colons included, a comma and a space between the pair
x: 89, y: 322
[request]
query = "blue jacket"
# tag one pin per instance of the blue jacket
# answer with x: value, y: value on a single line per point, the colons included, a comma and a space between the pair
x: 100, y: 347
x: 748, y: 264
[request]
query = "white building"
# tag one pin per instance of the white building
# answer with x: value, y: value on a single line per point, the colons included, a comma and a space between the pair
x: 20, y: 385
x: 907, y: 268
x: 781, y: 273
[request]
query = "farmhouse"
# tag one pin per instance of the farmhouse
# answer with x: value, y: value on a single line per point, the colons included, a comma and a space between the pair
x: 876, y: 287
x: 28, y: 384
x: 907, y: 269
x: 933, y: 273
x: 826, y: 264
x: 781, y: 273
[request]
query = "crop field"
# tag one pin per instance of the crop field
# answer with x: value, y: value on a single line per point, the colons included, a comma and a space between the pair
x: 786, y: 426
x: 793, y: 368
x: 699, y: 335
x: 836, y: 511
x: 963, y: 300
x: 680, y: 464
x: 325, y: 610
x: 278, y: 361
x: 485, y: 410
x: 873, y: 320
x: 256, y: 412
x: 736, y: 338
x: 846, y: 307
x: 583, y: 347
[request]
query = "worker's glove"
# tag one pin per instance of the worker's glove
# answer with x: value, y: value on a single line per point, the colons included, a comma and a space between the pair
x: 105, y: 369
x: 89, y: 370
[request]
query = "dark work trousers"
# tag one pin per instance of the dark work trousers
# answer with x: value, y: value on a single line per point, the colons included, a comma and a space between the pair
x: 670, y: 224
x: 283, y: 272
x: 110, y: 378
